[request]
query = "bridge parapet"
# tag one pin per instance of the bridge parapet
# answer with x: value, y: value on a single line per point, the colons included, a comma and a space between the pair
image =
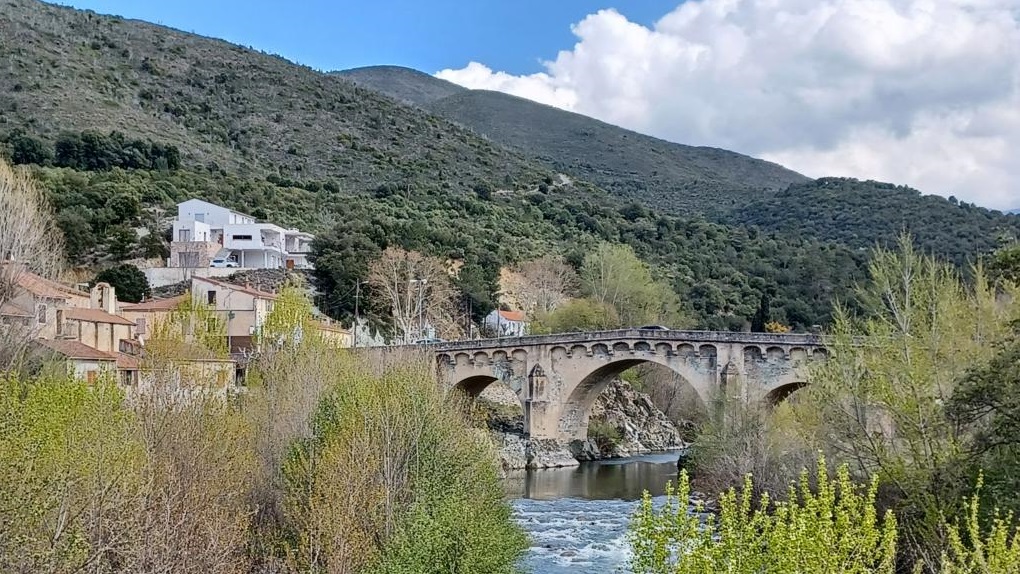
x: 728, y: 337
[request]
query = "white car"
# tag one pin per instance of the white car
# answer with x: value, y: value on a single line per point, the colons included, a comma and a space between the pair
x: 223, y: 263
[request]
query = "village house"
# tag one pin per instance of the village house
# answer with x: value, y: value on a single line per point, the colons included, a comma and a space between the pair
x: 506, y: 323
x: 206, y: 234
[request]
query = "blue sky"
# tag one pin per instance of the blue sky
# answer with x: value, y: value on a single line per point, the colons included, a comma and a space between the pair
x: 428, y: 35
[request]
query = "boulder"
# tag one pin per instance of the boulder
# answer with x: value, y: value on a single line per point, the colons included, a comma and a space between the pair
x: 643, y: 427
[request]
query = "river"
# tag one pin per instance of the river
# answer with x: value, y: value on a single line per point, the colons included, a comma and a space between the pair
x: 578, y: 517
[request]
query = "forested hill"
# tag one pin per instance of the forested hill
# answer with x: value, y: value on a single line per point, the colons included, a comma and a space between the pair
x: 225, y: 106
x: 862, y: 214
x: 661, y: 174
x: 120, y: 120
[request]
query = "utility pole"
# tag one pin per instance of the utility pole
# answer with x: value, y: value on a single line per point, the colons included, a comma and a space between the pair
x: 357, y: 300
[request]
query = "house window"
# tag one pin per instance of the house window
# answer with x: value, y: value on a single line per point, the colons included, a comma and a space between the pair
x: 211, y: 297
x: 140, y: 326
x: 241, y: 237
x: 184, y: 235
x: 91, y: 376
x: 127, y: 378
x: 60, y: 323
x: 41, y: 315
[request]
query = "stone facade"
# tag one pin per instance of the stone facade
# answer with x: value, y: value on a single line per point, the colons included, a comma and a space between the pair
x: 193, y: 253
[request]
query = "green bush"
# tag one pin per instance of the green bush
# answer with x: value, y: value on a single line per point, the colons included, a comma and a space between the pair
x: 971, y: 552
x: 606, y: 436
x: 831, y: 528
x: 394, y: 481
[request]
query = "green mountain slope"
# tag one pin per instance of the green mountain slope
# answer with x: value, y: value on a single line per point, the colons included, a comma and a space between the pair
x: 661, y: 174
x: 225, y: 106
x: 203, y: 118
x: 862, y: 214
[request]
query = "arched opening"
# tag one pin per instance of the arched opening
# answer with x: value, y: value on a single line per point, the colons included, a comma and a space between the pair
x: 490, y: 403
x: 576, y: 413
x: 782, y: 393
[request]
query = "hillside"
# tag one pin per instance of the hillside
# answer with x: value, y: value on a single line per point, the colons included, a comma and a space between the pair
x: 226, y: 107
x: 403, y: 84
x: 660, y: 174
x: 120, y: 120
x: 862, y: 214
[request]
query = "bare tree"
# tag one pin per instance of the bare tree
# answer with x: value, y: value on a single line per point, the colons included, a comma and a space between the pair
x: 545, y: 284
x: 29, y: 242
x: 419, y: 291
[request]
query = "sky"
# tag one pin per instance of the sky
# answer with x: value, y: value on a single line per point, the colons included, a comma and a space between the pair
x: 924, y: 93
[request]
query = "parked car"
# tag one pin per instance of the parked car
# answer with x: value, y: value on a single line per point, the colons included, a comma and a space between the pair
x: 653, y: 328
x: 219, y: 262
x: 429, y: 341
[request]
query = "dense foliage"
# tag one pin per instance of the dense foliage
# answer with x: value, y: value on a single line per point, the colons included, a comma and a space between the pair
x: 829, y: 527
x: 129, y: 281
x: 863, y: 214
x: 300, y: 148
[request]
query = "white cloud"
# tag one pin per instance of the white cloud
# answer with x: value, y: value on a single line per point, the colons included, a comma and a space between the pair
x: 920, y: 92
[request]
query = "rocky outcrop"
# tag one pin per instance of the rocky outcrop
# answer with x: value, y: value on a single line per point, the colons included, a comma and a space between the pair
x: 641, y: 426
x: 634, y: 422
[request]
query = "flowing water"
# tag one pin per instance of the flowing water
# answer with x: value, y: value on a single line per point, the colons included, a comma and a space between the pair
x: 578, y: 517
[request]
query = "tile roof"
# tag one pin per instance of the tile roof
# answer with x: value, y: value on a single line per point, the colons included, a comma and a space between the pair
x: 517, y: 316
x: 128, y: 362
x: 96, y: 316
x: 43, y: 287
x: 168, y: 304
x: 9, y: 309
x: 240, y: 288
x: 75, y: 350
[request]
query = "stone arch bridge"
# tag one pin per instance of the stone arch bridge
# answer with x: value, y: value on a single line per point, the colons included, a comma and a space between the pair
x: 558, y: 377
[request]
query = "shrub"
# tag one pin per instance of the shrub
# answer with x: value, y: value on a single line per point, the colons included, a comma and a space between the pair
x: 832, y: 528
x: 970, y: 551
x: 393, y: 480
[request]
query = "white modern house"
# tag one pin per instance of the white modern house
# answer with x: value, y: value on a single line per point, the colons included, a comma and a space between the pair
x: 203, y: 232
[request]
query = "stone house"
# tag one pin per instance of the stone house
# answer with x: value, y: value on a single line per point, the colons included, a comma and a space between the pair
x: 506, y: 323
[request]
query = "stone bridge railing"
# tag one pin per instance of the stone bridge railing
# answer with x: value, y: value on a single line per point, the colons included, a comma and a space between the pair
x: 798, y: 339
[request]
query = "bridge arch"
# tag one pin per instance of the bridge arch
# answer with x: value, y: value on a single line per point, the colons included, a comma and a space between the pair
x: 576, y: 409
x: 783, y: 392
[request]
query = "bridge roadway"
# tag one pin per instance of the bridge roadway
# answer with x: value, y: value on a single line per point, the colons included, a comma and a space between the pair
x: 557, y: 377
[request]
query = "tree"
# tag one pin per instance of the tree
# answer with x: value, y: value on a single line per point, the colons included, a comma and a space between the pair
x: 763, y: 315
x: 29, y: 242
x: 613, y: 275
x: 419, y: 292
x: 987, y: 400
x: 577, y: 315
x: 131, y: 284
x: 879, y: 401
x: 545, y: 284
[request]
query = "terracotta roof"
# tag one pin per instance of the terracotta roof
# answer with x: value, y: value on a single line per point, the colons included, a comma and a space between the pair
x: 128, y: 362
x: 240, y: 288
x: 517, y: 316
x: 45, y: 288
x: 168, y: 304
x: 95, y: 316
x: 9, y: 309
x: 75, y: 350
